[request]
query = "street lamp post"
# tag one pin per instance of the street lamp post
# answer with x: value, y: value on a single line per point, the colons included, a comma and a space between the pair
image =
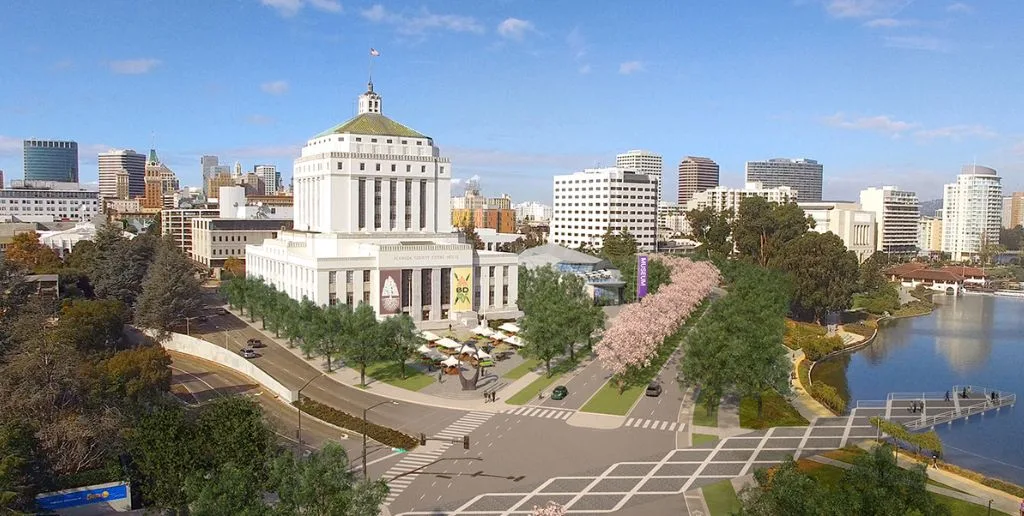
x: 365, y: 422
x: 187, y: 321
x: 298, y: 396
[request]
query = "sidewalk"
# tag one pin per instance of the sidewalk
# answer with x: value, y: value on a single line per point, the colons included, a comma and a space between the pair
x: 350, y: 377
x: 807, y: 406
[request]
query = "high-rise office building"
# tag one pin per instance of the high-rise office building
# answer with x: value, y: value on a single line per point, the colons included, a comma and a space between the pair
x: 897, y: 215
x: 696, y: 174
x: 207, y: 163
x: 587, y: 204
x: 972, y: 212
x: 642, y: 162
x: 133, y: 181
x: 159, y: 182
x: 802, y: 175
x: 1, y: 179
x: 51, y: 160
x: 270, y: 176
x: 1015, y: 215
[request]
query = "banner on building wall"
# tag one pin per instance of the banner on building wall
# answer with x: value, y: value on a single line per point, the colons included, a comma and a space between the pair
x: 390, y: 291
x: 641, y: 276
x: 462, y: 289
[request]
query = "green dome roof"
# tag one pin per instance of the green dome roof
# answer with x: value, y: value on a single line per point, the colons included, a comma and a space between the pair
x: 373, y: 124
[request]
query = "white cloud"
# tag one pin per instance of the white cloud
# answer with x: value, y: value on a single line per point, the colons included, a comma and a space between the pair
x: 275, y: 87
x: 514, y: 28
x: 881, y: 123
x: 925, y: 43
x: 959, y: 7
x: 631, y: 67
x: 889, y: 23
x: 420, y: 22
x: 259, y: 120
x: 133, y: 66
x: 63, y: 64
x: 865, y: 8
x: 584, y: 69
x: 578, y: 48
x: 10, y: 146
x: 292, y: 7
x: 957, y: 132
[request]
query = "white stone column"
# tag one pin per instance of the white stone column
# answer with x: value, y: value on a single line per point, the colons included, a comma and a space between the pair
x: 357, y: 287
x: 484, y: 282
x: 499, y: 282
x: 415, y: 205
x: 432, y: 208
x: 340, y: 287
x: 385, y: 204
x: 513, y: 285
x: 368, y: 202
x: 435, y: 294
x: 400, y: 204
x: 416, y: 303
x: 375, y: 290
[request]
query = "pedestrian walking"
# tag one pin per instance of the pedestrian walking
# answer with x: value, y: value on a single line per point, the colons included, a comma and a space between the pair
x: 486, y: 398
x: 935, y: 460
x: 947, y: 395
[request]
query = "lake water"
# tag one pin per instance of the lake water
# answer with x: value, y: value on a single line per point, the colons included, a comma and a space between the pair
x: 970, y: 340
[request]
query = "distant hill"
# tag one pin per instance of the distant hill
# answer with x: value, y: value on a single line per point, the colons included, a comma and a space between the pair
x: 928, y: 208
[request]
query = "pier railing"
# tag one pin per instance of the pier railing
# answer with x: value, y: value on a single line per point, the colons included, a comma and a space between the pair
x: 964, y: 412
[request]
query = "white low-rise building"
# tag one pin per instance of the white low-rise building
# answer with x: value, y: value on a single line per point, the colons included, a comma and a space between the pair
x: 63, y: 241
x: 532, y: 212
x: 722, y: 198
x: 672, y: 217
x: 590, y: 203
x: 856, y: 227
x: 48, y: 201
x: 373, y: 225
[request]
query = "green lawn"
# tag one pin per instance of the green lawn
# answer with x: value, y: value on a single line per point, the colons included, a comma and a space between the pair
x: 849, y: 453
x: 699, y: 439
x: 520, y: 370
x: 776, y: 412
x: 530, y: 391
x: 390, y: 373
x: 701, y: 417
x: 609, y: 401
x: 721, y: 498
x: 960, y: 507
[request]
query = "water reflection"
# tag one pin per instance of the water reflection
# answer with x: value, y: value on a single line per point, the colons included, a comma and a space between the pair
x: 963, y: 329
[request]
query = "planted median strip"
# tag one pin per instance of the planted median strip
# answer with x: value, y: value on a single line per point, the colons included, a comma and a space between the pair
x: 530, y: 391
x: 382, y: 434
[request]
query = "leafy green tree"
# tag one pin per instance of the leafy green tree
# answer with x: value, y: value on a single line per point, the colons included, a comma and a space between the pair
x: 872, y: 277
x: 469, y: 234
x: 324, y: 333
x: 364, y: 339
x: 93, y: 325
x: 1012, y: 239
x: 232, y: 431
x: 712, y: 229
x: 228, y: 489
x: 171, y: 290
x: 22, y: 468
x: 707, y: 359
x: 119, y: 266
x: 588, y: 320
x: 762, y: 228
x: 82, y: 256
x: 883, y: 299
x: 165, y: 457
x: 234, y: 289
x: 618, y: 244
x: 402, y: 339
x: 785, y: 489
x: 132, y: 378
x: 823, y: 273
x: 876, y: 484
x: 323, y: 484
x: 547, y: 323
x: 26, y: 251
x: 14, y: 294
x: 657, y: 275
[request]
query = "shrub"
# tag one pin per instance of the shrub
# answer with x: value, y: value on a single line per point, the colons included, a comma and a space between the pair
x: 827, y: 395
x: 381, y: 434
x: 884, y: 299
x: 817, y: 347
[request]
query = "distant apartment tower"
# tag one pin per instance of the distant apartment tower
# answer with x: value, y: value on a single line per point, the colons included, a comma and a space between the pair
x: 1, y: 179
x: 897, y: 214
x: 721, y: 198
x: 589, y: 203
x: 972, y: 212
x: 271, y: 178
x: 112, y: 163
x: 696, y: 174
x: 51, y: 160
x: 642, y: 162
x: 929, y: 235
x: 208, y: 163
x: 532, y: 212
x: 1014, y: 216
x: 802, y: 175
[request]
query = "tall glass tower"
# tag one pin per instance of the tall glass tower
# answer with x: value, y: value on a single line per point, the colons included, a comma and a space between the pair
x: 51, y: 160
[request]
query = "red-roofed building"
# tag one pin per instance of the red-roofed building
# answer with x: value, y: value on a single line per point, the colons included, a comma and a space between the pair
x: 914, y: 274
x: 972, y: 275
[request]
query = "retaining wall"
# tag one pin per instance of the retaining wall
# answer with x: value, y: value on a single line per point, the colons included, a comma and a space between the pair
x: 208, y: 351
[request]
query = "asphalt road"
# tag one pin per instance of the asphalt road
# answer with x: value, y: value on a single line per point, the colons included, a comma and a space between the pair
x: 293, y: 372
x: 196, y: 381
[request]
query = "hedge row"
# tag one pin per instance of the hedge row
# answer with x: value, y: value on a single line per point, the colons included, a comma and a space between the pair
x: 827, y: 395
x: 381, y: 434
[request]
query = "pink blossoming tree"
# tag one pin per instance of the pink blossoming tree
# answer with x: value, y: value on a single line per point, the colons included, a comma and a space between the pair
x: 551, y: 509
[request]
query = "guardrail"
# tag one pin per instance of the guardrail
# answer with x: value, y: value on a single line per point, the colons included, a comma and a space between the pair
x: 916, y: 395
x: 970, y: 410
x: 871, y: 404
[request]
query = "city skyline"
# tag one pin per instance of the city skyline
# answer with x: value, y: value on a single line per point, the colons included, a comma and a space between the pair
x: 790, y: 94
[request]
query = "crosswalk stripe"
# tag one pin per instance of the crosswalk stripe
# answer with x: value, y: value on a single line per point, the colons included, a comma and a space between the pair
x: 672, y: 427
x: 637, y: 423
x: 567, y: 415
x: 543, y: 413
x: 664, y: 425
x: 647, y: 423
x: 532, y: 412
x: 629, y: 421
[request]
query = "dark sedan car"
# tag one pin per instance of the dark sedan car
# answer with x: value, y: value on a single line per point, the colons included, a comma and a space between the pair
x: 559, y: 393
x: 653, y: 389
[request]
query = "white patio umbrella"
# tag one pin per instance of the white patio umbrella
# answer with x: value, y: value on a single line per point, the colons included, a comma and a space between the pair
x: 482, y: 355
x: 483, y: 331
x: 430, y: 336
x: 515, y: 341
x: 448, y: 343
x: 450, y: 362
x: 498, y: 336
x: 424, y: 349
x: 509, y: 327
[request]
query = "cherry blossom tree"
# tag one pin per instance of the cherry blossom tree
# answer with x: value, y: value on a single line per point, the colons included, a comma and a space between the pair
x: 640, y: 329
x: 551, y: 509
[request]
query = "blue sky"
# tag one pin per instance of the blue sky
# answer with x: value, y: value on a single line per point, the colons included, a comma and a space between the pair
x: 880, y: 91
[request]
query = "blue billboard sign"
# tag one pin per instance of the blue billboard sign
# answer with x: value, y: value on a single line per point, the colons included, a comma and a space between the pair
x: 103, y: 493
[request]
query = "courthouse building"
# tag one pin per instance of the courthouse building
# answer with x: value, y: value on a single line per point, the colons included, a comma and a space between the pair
x: 372, y: 224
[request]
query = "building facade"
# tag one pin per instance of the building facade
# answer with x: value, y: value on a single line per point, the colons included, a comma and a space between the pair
x: 728, y: 199
x: 532, y: 212
x: 51, y: 160
x: 47, y: 201
x: 897, y: 213
x: 855, y: 226
x: 499, y: 219
x: 271, y: 178
x: 214, y: 240
x: 972, y: 212
x: 643, y: 162
x: 1015, y: 217
x: 207, y: 164
x: 802, y: 175
x: 696, y: 174
x: 587, y: 204
x: 672, y: 219
x: 121, y: 174
x: 929, y: 235
x: 177, y: 223
x: 373, y: 225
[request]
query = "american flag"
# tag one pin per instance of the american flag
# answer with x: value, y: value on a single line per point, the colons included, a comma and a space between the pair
x: 374, y: 53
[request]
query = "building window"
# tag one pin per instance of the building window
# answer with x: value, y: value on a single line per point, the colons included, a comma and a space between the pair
x: 408, y: 168
x: 332, y: 277
x: 423, y: 168
x: 423, y: 204
x: 366, y: 276
x: 362, y: 166
x: 376, y: 203
x: 362, y: 203
x: 339, y: 165
x: 442, y: 169
x: 446, y: 286
x: 393, y: 207
x: 377, y: 166
x: 425, y: 287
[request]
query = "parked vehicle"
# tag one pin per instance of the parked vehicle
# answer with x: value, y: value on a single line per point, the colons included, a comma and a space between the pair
x: 255, y: 343
x: 248, y: 353
x: 654, y: 389
x: 220, y: 311
x: 559, y: 393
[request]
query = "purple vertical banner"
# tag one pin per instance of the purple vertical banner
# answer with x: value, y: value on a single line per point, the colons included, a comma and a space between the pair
x: 641, y: 276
